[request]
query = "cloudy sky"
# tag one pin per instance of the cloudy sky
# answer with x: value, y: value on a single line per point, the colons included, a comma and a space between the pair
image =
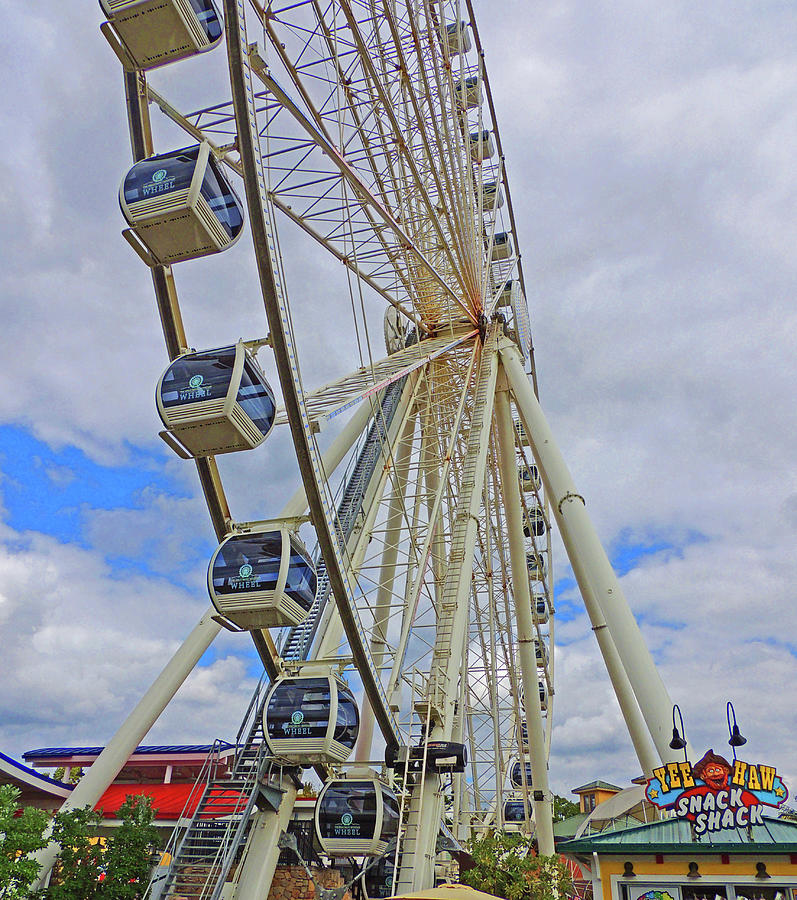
x: 650, y: 149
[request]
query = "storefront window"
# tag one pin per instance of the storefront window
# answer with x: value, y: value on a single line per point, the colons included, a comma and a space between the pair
x: 704, y: 892
x: 757, y: 892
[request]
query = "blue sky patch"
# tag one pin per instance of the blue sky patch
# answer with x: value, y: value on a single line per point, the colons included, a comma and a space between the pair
x: 46, y: 490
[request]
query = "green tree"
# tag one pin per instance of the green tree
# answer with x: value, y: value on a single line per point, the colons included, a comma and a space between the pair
x: 80, y: 862
x: 116, y: 868
x: 74, y: 775
x: 507, y: 866
x: 128, y: 856
x: 564, y: 808
x: 19, y: 836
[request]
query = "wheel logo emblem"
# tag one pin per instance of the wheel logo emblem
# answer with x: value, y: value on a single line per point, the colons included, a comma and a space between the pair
x: 159, y: 175
x: 297, y: 718
x: 195, y: 381
x: 347, y: 818
x: 245, y: 571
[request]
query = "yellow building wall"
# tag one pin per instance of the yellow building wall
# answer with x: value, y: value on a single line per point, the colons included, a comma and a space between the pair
x: 711, y: 867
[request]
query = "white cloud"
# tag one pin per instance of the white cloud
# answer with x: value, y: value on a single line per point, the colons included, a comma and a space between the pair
x: 650, y: 157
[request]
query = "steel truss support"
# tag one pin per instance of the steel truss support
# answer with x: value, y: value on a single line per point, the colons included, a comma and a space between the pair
x: 262, y: 850
x: 588, y: 558
x: 525, y: 626
x: 418, y: 848
x: 387, y: 575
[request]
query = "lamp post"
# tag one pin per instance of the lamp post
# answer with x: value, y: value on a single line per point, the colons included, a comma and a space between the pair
x: 678, y: 741
x: 736, y: 737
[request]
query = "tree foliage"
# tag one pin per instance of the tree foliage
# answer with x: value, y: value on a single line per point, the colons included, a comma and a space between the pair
x: 507, y: 866
x: 116, y: 868
x: 20, y: 833
x: 564, y: 808
x: 89, y: 867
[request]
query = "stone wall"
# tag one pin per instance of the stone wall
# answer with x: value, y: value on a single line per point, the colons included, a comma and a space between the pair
x: 292, y: 883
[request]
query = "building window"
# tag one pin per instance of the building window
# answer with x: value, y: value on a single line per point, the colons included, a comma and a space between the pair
x: 589, y: 802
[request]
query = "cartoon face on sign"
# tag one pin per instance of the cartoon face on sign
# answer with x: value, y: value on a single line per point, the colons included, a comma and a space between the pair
x: 714, y: 770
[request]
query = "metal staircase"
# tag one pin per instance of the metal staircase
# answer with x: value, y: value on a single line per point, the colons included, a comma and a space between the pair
x: 201, y: 855
x: 300, y: 638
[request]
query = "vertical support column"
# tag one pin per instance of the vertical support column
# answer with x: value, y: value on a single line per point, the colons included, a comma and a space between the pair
x: 584, y: 550
x: 262, y: 852
x: 387, y: 576
x: 525, y: 624
x: 419, y: 845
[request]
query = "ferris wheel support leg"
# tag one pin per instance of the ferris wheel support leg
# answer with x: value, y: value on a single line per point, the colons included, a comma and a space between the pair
x: 387, y: 575
x: 330, y: 637
x: 119, y: 749
x: 584, y: 550
x: 525, y: 626
x: 262, y: 850
x: 419, y: 845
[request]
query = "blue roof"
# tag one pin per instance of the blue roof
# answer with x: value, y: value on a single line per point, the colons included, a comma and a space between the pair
x: 33, y: 773
x: 172, y: 749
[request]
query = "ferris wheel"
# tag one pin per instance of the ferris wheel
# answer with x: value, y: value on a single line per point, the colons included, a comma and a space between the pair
x: 402, y: 601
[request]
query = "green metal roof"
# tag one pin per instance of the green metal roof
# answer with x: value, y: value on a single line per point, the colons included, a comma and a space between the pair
x: 596, y: 786
x: 674, y: 835
x: 566, y: 828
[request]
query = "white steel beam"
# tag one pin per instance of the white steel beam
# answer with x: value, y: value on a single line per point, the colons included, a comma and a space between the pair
x: 526, y: 633
x: 108, y: 764
x: 418, y: 848
x: 584, y: 550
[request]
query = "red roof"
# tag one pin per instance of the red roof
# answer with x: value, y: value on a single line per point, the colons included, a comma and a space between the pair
x: 169, y: 800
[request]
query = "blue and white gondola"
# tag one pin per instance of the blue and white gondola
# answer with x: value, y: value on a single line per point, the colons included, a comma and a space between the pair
x: 356, y: 816
x: 516, y: 774
x: 262, y: 579
x: 516, y: 811
x: 215, y: 401
x: 529, y: 477
x: 534, y: 522
x: 312, y: 719
x: 180, y: 205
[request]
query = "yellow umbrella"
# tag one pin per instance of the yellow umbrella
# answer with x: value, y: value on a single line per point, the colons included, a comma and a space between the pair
x: 447, y: 892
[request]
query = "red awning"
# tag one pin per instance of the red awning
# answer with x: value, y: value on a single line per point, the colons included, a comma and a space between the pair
x: 169, y: 800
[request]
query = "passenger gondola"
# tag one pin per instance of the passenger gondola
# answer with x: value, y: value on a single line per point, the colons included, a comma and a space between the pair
x: 543, y: 696
x: 482, y: 145
x: 456, y: 37
x: 536, y: 566
x: 516, y: 775
x: 156, y: 32
x: 520, y: 431
x: 529, y: 478
x: 376, y: 879
x: 309, y: 720
x: 534, y: 522
x: 541, y: 652
x: 262, y: 579
x: 180, y: 205
x: 506, y: 295
x: 492, y: 195
x: 516, y: 811
x: 215, y: 401
x: 539, y: 609
x: 502, y: 246
x: 356, y: 816
x: 469, y: 95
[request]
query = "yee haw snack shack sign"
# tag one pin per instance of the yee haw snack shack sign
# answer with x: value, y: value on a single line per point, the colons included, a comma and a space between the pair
x: 713, y: 794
